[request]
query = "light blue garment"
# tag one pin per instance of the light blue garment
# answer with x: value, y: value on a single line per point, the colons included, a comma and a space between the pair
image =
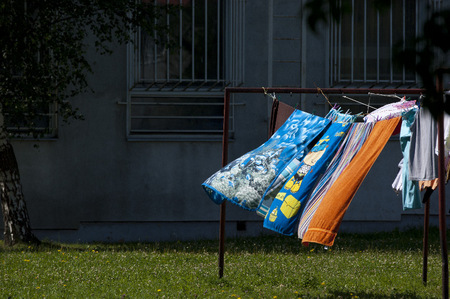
x: 245, y: 180
x: 288, y: 204
x: 410, y: 189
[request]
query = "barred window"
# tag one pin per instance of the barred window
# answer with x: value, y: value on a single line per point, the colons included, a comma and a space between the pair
x: 176, y: 81
x: 45, y: 124
x: 362, y: 42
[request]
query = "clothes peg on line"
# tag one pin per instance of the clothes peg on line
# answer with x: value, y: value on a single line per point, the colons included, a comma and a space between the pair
x: 272, y: 95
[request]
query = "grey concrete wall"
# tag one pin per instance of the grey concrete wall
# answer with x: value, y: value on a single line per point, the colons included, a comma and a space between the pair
x: 91, y: 176
x: 92, y: 184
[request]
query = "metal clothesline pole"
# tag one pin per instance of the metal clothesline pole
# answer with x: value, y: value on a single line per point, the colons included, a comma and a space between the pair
x: 426, y: 224
x: 441, y: 186
x: 226, y: 114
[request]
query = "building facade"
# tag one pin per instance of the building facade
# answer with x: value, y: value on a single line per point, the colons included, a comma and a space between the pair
x: 133, y: 169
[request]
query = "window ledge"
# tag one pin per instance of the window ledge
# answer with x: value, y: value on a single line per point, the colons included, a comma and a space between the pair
x: 30, y: 139
x: 168, y: 138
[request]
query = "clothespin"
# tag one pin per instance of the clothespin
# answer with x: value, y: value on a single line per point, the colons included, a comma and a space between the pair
x: 320, y: 90
x: 272, y: 95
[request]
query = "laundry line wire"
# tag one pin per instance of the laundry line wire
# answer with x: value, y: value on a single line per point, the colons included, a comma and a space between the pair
x: 319, y: 90
x: 356, y: 101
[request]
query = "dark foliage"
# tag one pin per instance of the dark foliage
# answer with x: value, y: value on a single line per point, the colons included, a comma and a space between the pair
x: 425, y: 55
x: 44, y: 45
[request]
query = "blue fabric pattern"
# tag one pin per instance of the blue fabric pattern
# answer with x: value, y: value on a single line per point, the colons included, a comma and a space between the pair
x: 245, y: 180
x: 288, y: 204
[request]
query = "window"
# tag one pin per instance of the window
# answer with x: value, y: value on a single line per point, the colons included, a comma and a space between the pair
x: 29, y: 114
x: 45, y: 124
x: 176, y: 115
x: 361, y: 43
x: 176, y: 80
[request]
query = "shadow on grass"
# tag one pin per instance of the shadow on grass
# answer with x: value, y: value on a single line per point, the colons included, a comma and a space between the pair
x: 396, y: 240
x: 386, y: 241
x: 409, y: 295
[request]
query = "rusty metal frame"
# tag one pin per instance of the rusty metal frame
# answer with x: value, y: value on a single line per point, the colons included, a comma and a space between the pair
x: 442, y: 225
x: 441, y: 174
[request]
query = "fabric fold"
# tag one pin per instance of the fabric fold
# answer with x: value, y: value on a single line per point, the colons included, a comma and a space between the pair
x: 328, y: 217
x: 389, y: 111
x: 423, y: 162
x: 288, y: 204
x: 245, y: 180
x: 353, y: 141
x: 410, y: 189
x: 280, y: 112
x: 335, y: 115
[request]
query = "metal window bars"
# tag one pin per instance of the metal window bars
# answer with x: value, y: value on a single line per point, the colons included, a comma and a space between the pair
x: 372, y: 37
x: 45, y: 125
x: 208, y: 56
x: 203, y: 50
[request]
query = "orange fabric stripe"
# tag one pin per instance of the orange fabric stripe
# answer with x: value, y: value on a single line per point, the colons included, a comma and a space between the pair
x: 328, y: 217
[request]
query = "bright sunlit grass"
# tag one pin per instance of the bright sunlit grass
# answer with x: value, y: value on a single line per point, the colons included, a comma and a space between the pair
x: 382, y: 265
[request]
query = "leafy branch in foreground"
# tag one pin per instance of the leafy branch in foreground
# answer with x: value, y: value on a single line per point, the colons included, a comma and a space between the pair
x: 43, y: 62
x: 44, y: 46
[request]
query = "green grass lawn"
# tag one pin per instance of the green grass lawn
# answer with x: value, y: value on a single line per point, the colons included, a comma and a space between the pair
x: 382, y: 265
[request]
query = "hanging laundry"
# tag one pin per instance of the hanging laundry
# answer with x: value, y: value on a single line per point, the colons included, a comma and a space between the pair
x: 397, y: 183
x: 245, y: 180
x: 280, y: 112
x: 334, y: 115
x: 446, y: 126
x: 410, y: 189
x: 289, y: 202
x: 389, y: 111
x: 277, y: 184
x: 447, y: 174
x: 425, y: 168
x: 428, y: 184
x: 328, y: 217
x: 422, y: 157
x: 352, y: 143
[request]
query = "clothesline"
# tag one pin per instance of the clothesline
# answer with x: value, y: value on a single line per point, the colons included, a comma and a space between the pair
x: 232, y: 90
x: 279, y: 175
x: 348, y: 98
x: 356, y: 101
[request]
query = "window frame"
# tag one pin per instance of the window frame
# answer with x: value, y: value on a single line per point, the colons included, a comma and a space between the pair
x: 178, y: 135
x: 231, y: 47
x: 335, y: 50
x: 49, y: 132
